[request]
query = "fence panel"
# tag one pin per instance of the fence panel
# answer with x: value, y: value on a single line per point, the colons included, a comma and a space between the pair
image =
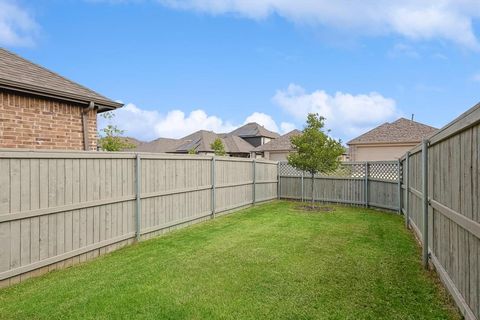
x: 234, y: 184
x: 336, y: 190
x: 453, y: 215
x: 174, y: 191
x: 415, y: 181
x: 61, y: 208
x: 346, y: 185
x: 383, y: 194
x: 56, y: 207
x: 265, y: 180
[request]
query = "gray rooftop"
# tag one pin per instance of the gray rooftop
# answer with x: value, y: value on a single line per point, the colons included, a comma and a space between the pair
x: 199, y: 141
x: 19, y: 74
x: 280, y: 144
x: 253, y: 129
x: 402, y: 130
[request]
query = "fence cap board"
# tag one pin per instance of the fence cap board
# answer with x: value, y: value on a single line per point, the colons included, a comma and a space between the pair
x: 63, y: 154
x: 359, y: 162
x: 73, y: 154
x: 250, y: 160
x: 266, y: 161
x: 466, y: 120
x: 171, y: 156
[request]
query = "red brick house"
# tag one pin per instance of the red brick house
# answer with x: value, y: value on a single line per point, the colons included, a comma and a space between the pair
x: 40, y: 109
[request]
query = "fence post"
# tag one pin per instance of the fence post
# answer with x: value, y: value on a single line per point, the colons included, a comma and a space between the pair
x: 138, y: 200
x: 425, y: 201
x: 407, y: 189
x: 303, y: 192
x: 367, y: 173
x: 400, y: 179
x: 213, y: 177
x: 254, y: 181
x: 278, y: 180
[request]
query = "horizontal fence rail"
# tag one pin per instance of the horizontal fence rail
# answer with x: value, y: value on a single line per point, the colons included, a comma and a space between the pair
x: 443, y: 209
x: 61, y: 208
x: 373, y: 184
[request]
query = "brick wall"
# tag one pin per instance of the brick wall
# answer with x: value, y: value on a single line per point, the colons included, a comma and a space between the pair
x: 41, y: 123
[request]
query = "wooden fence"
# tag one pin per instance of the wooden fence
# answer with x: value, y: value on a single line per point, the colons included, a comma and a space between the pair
x: 371, y: 184
x: 441, y: 204
x: 61, y: 208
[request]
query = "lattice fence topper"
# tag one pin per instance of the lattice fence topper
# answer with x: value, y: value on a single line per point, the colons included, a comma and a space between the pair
x: 286, y: 170
x: 346, y: 170
x: 383, y: 170
x: 377, y: 170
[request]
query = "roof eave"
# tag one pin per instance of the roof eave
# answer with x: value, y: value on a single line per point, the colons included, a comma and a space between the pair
x: 255, y: 136
x: 382, y: 142
x: 274, y: 150
x: 104, y: 105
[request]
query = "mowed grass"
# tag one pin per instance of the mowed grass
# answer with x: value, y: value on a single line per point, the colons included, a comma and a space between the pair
x: 266, y: 262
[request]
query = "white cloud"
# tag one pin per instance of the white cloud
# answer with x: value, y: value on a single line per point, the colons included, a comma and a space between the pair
x: 17, y: 26
x: 268, y: 122
x: 263, y: 119
x: 287, y: 127
x: 450, y: 20
x: 176, y: 124
x: 148, y: 125
x: 346, y: 115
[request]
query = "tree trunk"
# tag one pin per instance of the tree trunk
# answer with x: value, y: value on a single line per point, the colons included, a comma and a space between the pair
x: 313, y: 190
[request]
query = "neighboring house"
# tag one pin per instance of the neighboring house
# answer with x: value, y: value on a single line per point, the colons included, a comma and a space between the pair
x: 200, y: 142
x: 238, y: 143
x: 254, y: 134
x: 160, y: 145
x: 132, y: 141
x: 277, y: 149
x: 345, y: 157
x: 389, y: 141
x: 135, y: 143
x: 40, y: 109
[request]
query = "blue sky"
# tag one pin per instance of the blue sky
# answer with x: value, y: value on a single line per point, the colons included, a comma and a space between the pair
x: 185, y: 65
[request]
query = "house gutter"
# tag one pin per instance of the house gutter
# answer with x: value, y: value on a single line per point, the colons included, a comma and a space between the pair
x: 85, y: 111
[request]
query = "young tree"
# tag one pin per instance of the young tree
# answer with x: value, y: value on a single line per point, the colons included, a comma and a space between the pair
x: 111, y: 136
x: 316, y: 152
x: 218, y: 147
x: 192, y: 151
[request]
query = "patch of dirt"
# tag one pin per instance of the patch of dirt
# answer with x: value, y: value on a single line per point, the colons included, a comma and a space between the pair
x: 315, y: 209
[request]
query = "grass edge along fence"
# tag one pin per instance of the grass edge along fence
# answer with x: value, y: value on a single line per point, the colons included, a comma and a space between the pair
x: 59, y: 208
x: 371, y: 184
x: 440, y: 194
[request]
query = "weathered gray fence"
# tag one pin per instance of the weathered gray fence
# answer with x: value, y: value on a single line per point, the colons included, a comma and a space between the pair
x: 441, y: 198
x: 60, y: 208
x: 373, y: 184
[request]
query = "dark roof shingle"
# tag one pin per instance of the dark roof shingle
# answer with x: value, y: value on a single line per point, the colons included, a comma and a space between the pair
x: 160, y: 145
x: 280, y: 144
x: 253, y: 129
x: 17, y: 73
x: 402, y: 130
x: 200, y: 141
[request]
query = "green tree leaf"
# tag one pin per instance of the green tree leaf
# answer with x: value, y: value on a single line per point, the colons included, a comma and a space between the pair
x: 315, y: 152
x: 111, y: 136
x: 218, y: 147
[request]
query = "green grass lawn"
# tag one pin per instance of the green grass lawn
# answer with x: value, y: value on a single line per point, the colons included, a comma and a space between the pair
x: 266, y: 262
